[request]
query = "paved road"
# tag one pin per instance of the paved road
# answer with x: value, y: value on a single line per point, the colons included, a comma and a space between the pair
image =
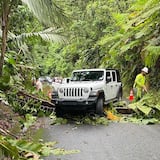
x: 117, y: 141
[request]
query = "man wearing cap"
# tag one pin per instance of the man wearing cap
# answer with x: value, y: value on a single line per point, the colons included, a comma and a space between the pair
x: 139, y: 83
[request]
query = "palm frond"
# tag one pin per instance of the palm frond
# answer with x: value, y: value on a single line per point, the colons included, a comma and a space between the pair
x: 109, y: 39
x: 47, y: 12
x: 151, y: 55
x: 129, y: 46
x: 48, y: 35
x: 149, y: 4
x: 142, y: 5
x: 144, y: 16
x: 10, y: 34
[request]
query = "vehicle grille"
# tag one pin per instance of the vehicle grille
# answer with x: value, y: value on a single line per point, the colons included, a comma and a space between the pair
x: 73, y: 92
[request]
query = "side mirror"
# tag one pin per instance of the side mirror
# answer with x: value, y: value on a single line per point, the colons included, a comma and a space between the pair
x: 108, y: 79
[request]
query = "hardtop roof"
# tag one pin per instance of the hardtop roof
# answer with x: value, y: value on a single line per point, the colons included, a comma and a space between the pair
x: 94, y: 69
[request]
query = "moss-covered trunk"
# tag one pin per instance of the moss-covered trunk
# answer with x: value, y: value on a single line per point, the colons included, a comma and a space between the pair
x: 4, y: 26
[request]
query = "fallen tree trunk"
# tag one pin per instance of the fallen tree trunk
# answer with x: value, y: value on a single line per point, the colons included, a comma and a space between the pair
x: 44, y: 102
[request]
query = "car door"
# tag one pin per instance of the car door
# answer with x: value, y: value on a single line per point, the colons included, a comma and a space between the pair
x: 114, y: 84
x: 109, y: 86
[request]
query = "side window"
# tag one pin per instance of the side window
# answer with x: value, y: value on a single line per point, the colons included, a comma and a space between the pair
x: 118, y: 76
x: 114, y: 76
x: 108, y: 77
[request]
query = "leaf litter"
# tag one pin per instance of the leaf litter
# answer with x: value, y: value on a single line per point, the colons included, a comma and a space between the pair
x: 145, y: 111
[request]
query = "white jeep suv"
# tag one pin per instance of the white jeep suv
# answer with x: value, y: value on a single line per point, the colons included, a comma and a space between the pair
x: 88, y: 89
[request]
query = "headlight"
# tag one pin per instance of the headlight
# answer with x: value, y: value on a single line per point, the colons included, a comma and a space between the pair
x: 93, y: 93
x: 61, y: 90
x: 85, y: 90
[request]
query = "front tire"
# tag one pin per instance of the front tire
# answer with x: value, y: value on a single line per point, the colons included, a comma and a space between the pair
x: 59, y: 112
x: 100, y: 107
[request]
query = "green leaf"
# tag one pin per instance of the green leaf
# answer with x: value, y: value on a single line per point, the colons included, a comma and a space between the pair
x: 146, y: 110
x: 26, y: 146
x: 47, y: 11
x: 12, y: 61
x: 49, y: 34
x: 29, y: 120
x: 8, y: 148
x: 141, y: 120
x: 150, y: 121
x: 129, y: 46
x: 157, y: 107
x: 60, y: 151
x: 133, y: 106
x: 144, y: 16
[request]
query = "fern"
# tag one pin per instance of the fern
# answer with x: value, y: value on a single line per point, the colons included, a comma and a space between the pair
x: 152, y: 54
x: 143, y: 32
x: 144, y: 16
x: 110, y: 39
x: 121, y: 19
x: 143, y: 5
x: 129, y: 46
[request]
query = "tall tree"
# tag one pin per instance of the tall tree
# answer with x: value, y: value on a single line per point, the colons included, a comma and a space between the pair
x: 45, y: 10
x: 6, y: 7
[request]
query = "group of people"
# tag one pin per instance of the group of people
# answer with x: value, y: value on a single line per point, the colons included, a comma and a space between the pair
x: 139, y: 86
x: 38, y: 83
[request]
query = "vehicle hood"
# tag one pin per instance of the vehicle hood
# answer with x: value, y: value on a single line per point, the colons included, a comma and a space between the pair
x: 87, y: 84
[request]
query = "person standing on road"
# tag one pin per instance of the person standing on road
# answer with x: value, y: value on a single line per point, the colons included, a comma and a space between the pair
x: 139, y: 83
x: 39, y: 85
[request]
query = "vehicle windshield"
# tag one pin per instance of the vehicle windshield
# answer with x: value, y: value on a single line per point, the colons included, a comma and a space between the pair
x: 88, y: 76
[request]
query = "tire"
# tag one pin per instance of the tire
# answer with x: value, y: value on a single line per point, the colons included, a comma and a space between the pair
x: 99, y: 107
x: 119, y: 96
x: 59, y: 112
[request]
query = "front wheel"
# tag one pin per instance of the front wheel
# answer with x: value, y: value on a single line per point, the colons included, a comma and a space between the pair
x: 99, y: 106
x: 59, y: 112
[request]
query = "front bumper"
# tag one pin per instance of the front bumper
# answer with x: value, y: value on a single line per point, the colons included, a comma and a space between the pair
x: 80, y: 104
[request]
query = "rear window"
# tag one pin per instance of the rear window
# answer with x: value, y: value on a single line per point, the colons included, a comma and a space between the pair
x: 118, y: 76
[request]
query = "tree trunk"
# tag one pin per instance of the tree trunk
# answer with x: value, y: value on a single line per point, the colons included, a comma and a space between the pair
x: 5, y: 13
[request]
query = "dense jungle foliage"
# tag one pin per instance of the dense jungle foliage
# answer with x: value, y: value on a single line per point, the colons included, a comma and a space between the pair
x: 51, y: 37
x: 119, y: 34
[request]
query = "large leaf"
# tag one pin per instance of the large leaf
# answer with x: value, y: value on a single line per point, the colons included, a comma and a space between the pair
x: 7, y: 148
x: 157, y: 107
x: 60, y: 151
x: 140, y: 120
x: 47, y: 12
x: 144, y: 16
x: 150, y: 121
x: 26, y: 146
x: 129, y: 46
x: 49, y: 34
x: 146, y: 110
x: 152, y: 54
x: 133, y: 106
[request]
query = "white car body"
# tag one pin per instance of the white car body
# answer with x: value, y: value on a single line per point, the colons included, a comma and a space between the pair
x: 80, y: 91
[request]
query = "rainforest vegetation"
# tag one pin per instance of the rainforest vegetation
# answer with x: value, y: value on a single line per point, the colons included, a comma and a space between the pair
x: 51, y: 37
x: 81, y: 34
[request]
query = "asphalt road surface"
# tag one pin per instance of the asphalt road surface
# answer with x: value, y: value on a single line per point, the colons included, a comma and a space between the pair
x: 117, y: 141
